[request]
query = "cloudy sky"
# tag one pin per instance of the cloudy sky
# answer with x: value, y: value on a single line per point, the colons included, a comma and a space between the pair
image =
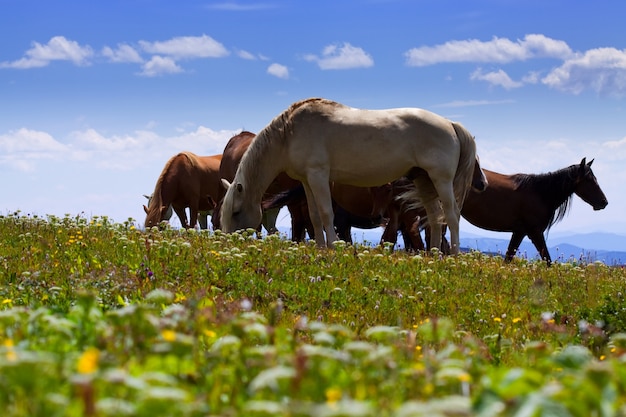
x: 96, y: 96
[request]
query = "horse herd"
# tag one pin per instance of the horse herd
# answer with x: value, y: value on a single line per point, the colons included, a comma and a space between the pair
x: 337, y: 167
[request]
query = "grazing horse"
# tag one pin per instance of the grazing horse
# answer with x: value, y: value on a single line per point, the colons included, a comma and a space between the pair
x: 528, y: 204
x: 187, y: 180
x: 203, y: 215
x: 317, y: 141
x: 233, y: 152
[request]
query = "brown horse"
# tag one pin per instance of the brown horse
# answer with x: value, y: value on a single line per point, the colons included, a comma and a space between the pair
x: 233, y: 152
x: 529, y: 205
x: 187, y: 180
x: 203, y: 215
x: 353, y: 207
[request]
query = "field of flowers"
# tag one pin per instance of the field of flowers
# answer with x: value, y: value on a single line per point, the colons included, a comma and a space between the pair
x: 102, y: 319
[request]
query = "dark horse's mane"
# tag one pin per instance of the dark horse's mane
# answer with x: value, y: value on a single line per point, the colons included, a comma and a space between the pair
x: 555, y: 187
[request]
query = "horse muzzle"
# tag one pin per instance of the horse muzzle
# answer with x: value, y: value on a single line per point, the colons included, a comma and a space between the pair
x: 601, y: 205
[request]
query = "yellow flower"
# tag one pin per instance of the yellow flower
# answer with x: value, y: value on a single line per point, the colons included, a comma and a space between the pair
x: 517, y: 320
x: 168, y: 335
x: 333, y: 395
x: 88, y: 361
x: 209, y: 333
x: 465, y: 377
x: 10, y: 355
x: 7, y: 301
x: 497, y: 319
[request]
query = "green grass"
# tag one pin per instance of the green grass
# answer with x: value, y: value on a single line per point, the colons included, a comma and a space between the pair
x: 99, y: 318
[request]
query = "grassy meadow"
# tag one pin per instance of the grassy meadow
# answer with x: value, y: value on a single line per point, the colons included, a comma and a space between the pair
x: 102, y: 319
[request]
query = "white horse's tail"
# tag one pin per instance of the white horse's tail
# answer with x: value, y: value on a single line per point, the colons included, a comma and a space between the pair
x: 467, y: 159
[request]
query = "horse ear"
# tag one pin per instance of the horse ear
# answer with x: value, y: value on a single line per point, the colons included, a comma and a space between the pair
x: 583, y: 162
x: 145, y: 209
x: 147, y: 196
x: 225, y: 183
x: 589, y: 163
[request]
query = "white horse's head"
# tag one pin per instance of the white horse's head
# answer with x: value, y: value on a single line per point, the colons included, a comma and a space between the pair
x: 238, y: 211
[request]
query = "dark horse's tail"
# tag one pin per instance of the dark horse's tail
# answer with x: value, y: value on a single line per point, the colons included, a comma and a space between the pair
x: 284, y: 198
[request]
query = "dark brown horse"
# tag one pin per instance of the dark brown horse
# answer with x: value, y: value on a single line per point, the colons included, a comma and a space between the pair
x: 530, y: 204
x: 187, y: 180
x: 233, y: 152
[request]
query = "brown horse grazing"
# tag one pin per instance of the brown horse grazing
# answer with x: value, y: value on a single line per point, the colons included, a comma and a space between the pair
x: 233, y: 152
x: 187, y: 180
x: 528, y: 204
x: 203, y: 215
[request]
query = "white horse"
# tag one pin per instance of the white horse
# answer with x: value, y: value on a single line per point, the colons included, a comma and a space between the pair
x: 317, y: 141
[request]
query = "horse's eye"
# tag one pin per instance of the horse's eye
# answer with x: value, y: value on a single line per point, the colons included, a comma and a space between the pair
x: 235, y: 213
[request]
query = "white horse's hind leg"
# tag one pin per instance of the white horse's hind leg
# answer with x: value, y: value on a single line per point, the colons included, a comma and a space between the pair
x: 316, y: 221
x: 451, y: 212
x: 323, y: 203
x: 433, y: 215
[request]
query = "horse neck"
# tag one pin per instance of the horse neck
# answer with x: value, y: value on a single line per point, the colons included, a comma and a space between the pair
x: 261, y: 164
x: 557, y: 190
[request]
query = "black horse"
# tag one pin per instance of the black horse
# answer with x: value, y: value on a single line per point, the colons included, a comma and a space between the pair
x: 530, y: 204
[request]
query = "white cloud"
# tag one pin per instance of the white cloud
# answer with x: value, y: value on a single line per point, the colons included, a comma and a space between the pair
x: 498, y: 50
x: 246, y: 55
x: 123, y: 53
x: 159, y: 65
x: 602, y: 70
x: 278, y: 70
x: 22, y: 149
x: 344, y: 56
x: 58, y: 48
x: 186, y: 47
x: 27, y: 140
x: 498, y: 78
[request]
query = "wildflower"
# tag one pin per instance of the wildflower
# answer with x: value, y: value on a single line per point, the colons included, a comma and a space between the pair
x: 516, y: 320
x: 209, y: 333
x: 7, y: 301
x: 168, y: 335
x: 497, y: 319
x: 465, y: 377
x: 333, y: 395
x: 10, y: 353
x: 88, y: 361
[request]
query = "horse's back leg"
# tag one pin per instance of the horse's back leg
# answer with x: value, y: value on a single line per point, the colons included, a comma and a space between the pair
x: 540, y: 243
x: 321, y: 209
x: 433, y: 216
x: 452, y: 215
x: 516, y: 240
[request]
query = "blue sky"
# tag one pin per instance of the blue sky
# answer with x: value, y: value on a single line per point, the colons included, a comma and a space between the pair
x: 96, y: 96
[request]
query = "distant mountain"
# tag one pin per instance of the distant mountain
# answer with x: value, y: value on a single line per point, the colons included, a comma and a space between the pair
x: 589, y: 247
x: 608, y: 248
